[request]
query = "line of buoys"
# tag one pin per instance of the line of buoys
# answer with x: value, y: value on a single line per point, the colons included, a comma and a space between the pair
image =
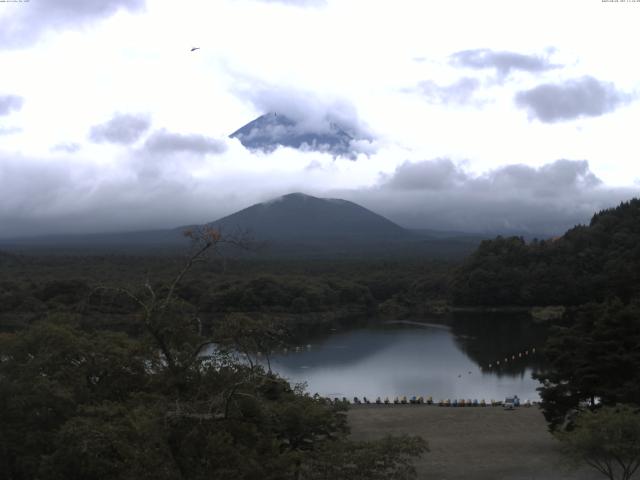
x: 290, y: 349
x: 415, y: 400
x: 511, y: 358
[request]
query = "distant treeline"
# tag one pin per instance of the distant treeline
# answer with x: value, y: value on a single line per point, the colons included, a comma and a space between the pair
x: 588, y: 263
x: 82, y: 397
x: 591, y: 354
x: 303, y: 292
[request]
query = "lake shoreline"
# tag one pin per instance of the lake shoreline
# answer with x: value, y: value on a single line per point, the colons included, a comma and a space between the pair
x: 468, y: 359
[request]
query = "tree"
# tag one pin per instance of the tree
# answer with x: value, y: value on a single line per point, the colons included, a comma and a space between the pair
x: 81, y: 403
x: 251, y: 336
x: 388, y: 459
x: 177, y: 337
x: 47, y: 374
x: 587, y: 263
x: 607, y: 440
x: 594, y: 360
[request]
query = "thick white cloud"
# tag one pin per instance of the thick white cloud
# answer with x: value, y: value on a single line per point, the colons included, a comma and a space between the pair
x: 575, y: 98
x: 435, y: 174
x: 164, y: 142
x: 302, y: 119
x: 29, y: 20
x: 502, y: 61
x: 558, y: 178
x: 145, y: 191
x: 440, y: 194
x: 312, y: 112
x: 299, y: 3
x: 460, y: 92
x: 122, y: 128
x: 348, y: 62
x: 9, y: 130
x: 66, y: 147
x: 10, y: 103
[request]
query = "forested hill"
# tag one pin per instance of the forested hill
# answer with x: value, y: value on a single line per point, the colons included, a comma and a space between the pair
x: 297, y: 216
x: 588, y: 263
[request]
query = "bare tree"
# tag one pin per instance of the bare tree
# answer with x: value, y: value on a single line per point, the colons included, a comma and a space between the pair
x: 179, y: 343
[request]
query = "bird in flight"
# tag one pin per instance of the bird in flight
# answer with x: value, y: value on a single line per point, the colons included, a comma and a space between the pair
x: 195, y: 48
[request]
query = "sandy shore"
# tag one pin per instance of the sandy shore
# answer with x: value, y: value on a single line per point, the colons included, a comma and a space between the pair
x: 478, y: 443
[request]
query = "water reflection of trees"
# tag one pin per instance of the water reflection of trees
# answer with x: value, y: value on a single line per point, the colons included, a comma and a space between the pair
x: 490, y: 337
x: 483, y: 337
x: 346, y: 348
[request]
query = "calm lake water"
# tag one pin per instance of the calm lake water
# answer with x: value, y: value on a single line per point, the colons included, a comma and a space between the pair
x: 444, y: 360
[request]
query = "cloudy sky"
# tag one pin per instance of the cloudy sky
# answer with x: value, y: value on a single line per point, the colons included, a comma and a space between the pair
x: 473, y: 115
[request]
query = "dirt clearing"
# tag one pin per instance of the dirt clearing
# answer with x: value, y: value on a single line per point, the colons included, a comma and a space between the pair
x: 477, y: 443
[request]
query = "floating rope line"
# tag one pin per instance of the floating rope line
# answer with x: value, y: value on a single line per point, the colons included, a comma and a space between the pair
x: 512, y: 358
x: 455, y: 402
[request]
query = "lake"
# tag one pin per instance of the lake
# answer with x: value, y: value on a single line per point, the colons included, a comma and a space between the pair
x: 456, y: 358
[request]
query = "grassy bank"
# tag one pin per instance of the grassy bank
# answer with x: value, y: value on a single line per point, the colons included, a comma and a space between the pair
x: 471, y: 443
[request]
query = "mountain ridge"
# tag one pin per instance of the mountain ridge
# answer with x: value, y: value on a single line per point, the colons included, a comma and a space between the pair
x: 297, y: 216
x: 272, y: 130
x: 294, y: 224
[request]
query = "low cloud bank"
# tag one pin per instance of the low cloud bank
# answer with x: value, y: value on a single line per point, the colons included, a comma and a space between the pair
x: 144, y: 191
x: 440, y: 194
